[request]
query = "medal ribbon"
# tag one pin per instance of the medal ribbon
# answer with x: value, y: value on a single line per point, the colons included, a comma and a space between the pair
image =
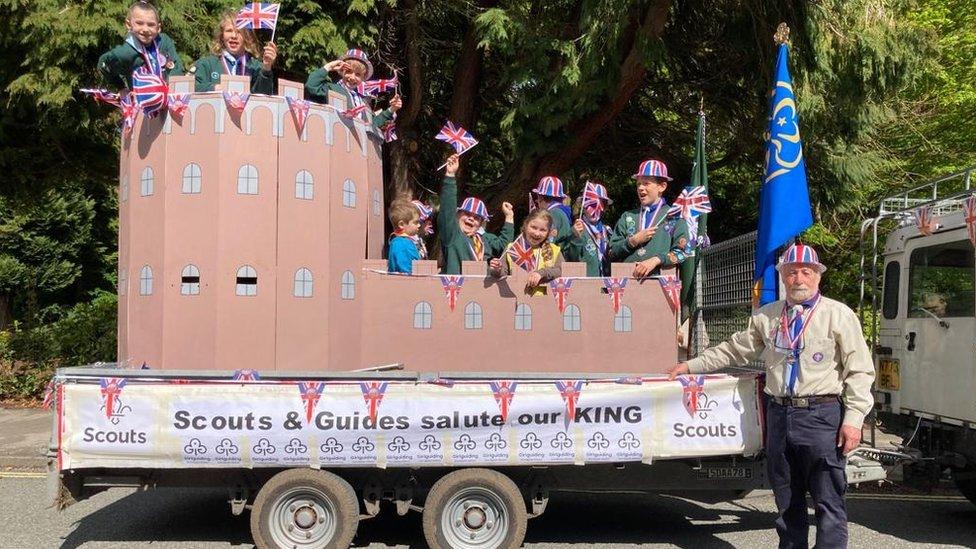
x: 597, y: 233
x: 239, y: 67
x: 153, y: 61
x: 793, y: 364
x: 648, y: 223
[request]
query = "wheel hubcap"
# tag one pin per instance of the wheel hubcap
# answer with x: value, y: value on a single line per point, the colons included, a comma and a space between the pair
x: 475, y: 518
x: 303, y: 517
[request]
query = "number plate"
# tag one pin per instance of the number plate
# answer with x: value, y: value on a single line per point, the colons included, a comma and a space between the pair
x: 889, y: 377
x: 724, y: 473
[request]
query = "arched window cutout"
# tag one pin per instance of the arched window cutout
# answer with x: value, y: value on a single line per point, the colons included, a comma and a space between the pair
x: 622, y: 320
x: 190, y: 280
x: 123, y: 281
x: 523, y: 317
x: 473, y: 317
x: 146, y: 182
x: 422, y: 316
x: 377, y: 203
x: 247, y: 281
x: 192, y: 176
x: 247, y: 180
x: 146, y: 280
x: 349, y: 194
x: 304, y: 185
x: 303, y: 283
x: 347, y: 289
x: 571, y: 319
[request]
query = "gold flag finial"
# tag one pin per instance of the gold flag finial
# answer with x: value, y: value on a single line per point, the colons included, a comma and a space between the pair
x: 782, y: 35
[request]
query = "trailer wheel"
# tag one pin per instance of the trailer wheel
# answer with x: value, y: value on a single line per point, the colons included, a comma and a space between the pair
x: 474, y: 509
x: 304, y: 508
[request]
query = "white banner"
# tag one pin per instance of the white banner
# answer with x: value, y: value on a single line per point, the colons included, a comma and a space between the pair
x: 163, y: 423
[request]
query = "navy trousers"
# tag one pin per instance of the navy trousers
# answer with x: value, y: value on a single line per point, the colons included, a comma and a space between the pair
x: 803, y: 457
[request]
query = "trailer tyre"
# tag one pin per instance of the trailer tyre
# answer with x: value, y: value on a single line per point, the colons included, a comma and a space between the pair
x: 304, y: 508
x: 474, y: 508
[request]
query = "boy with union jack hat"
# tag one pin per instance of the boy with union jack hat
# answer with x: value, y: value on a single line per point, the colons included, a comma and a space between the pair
x: 353, y: 69
x: 145, y: 48
x: 637, y: 238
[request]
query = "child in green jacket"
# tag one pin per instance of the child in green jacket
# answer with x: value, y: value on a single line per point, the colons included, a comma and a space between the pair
x: 236, y: 51
x: 144, y: 46
x: 549, y: 195
x: 592, y: 240
x: 459, y: 227
x: 353, y: 69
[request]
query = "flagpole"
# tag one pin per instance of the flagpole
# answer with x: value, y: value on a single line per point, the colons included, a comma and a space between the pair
x: 441, y: 167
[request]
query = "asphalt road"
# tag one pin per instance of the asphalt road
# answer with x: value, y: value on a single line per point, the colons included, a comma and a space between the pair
x: 198, y: 519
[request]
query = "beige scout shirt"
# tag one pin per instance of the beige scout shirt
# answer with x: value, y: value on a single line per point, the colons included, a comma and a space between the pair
x: 834, y: 359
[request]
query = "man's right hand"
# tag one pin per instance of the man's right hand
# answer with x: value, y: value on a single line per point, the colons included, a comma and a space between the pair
x: 680, y: 368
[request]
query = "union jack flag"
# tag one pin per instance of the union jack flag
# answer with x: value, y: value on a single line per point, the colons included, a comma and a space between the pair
x: 102, y: 96
x: 178, y: 103
x: 522, y: 254
x: 236, y: 101
x: 426, y: 217
x: 592, y: 201
x: 969, y: 209
x: 925, y: 221
x: 373, y: 87
x: 615, y: 288
x: 671, y: 285
x: 373, y: 392
x: 457, y: 137
x: 299, y: 111
x: 691, y: 202
x: 504, y: 392
x: 258, y: 15
x: 130, y: 110
x: 452, y: 288
x: 389, y: 131
x: 246, y: 374
x: 353, y: 112
x: 111, y: 389
x: 311, y: 393
x: 150, y: 91
x: 692, y: 388
x: 570, y: 392
x: 560, y: 290
x: 49, y: 392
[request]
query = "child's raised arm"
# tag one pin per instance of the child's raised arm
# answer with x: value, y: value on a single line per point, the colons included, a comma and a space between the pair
x: 447, y: 225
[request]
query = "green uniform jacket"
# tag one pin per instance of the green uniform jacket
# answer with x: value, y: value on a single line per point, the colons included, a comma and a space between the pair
x: 208, y: 69
x: 317, y: 89
x: 454, y: 244
x: 668, y: 243
x: 587, y: 253
x: 565, y: 238
x: 118, y: 63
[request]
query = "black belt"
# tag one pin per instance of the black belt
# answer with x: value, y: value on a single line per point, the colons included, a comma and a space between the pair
x: 804, y: 402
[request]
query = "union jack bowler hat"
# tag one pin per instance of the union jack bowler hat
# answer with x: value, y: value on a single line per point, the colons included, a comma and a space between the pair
x: 424, y: 210
x: 474, y: 206
x: 800, y: 254
x: 551, y: 186
x: 360, y: 55
x: 652, y: 168
x: 596, y: 190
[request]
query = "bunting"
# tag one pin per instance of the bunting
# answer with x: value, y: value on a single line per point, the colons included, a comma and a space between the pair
x: 925, y: 221
x: 236, y: 101
x: 560, y: 290
x: 615, y: 289
x: 178, y: 103
x: 452, y: 288
x: 299, y: 111
x: 671, y: 285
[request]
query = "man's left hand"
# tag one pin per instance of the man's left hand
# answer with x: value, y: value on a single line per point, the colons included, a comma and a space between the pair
x: 848, y: 438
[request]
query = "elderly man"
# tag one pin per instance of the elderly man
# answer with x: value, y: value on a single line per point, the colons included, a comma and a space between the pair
x: 818, y: 381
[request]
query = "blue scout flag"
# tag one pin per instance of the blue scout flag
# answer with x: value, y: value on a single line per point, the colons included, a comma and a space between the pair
x: 784, y: 203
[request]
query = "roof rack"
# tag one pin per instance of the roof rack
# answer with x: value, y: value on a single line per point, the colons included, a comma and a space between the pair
x: 942, y: 192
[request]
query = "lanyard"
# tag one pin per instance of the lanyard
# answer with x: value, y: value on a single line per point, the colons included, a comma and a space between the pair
x: 152, y: 60
x: 785, y: 329
x: 240, y: 63
x: 647, y: 224
x: 598, y: 235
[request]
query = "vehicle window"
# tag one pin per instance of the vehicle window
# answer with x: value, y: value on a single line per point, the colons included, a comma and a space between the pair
x: 889, y: 306
x: 941, y: 281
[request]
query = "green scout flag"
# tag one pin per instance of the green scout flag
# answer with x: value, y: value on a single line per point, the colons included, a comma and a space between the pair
x: 699, y: 178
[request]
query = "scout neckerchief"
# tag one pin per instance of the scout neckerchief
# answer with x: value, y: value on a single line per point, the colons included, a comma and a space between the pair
x: 417, y: 241
x: 649, y: 216
x: 477, y: 247
x: 598, y: 233
x: 354, y: 96
x: 792, y: 326
x: 234, y: 65
x: 154, y: 59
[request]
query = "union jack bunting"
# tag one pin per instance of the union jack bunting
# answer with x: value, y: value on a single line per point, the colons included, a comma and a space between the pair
x: 150, y: 90
x: 372, y: 88
x: 969, y: 210
x: 130, y: 110
x: 615, y: 289
x: 299, y: 111
x: 504, y: 392
x: 691, y: 202
x: 49, y: 393
x: 692, y: 387
x: 311, y: 392
x: 236, y: 101
x: 258, y: 15
x: 522, y: 254
x: 389, y: 130
x: 110, y: 389
x: 102, y: 96
x: 452, y: 288
x: 925, y: 221
x: 457, y: 137
x: 178, y: 103
x: 246, y: 374
x: 373, y: 392
x: 560, y: 290
x: 671, y: 285
x: 353, y: 112
x: 570, y: 391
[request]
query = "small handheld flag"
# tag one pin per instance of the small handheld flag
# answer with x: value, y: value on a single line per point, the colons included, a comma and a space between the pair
x: 103, y: 96
x: 522, y: 254
x: 693, y: 201
x: 457, y: 137
x: 258, y: 15
x: 353, y: 112
x: 372, y: 88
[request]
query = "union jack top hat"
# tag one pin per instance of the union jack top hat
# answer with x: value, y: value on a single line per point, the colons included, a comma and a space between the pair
x: 360, y: 55
x: 474, y: 206
x: 550, y: 185
x: 800, y: 254
x: 652, y: 168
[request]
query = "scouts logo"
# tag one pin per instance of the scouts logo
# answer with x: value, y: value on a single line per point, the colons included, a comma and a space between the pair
x: 694, y: 398
x: 214, y: 75
x: 373, y: 392
x: 110, y: 391
x: 503, y: 391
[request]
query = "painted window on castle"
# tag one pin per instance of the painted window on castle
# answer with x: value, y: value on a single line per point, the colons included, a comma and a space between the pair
x: 422, y: 316
x: 349, y: 193
x: 247, y: 180
x: 190, y: 280
x: 145, y: 280
x: 192, y: 177
x: 377, y: 203
x: 523, y: 317
x: 347, y: 288
x: 247, y: 281
x: 303, y: 185
x: 303, y: 283
x: 123, y: 281
x: 622, y: 320
x: 571, y: 319
x: 473, y: 318
x: 146, y: 183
